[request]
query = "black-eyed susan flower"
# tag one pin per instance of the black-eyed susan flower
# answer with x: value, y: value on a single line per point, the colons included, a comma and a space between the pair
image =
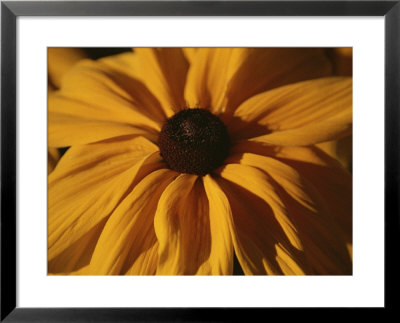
x: 181, y: 161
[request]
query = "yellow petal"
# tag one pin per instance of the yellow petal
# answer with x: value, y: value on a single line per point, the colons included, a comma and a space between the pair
x: 297, y: 112
x: 208, y: 78
x: 257, y: 183
x: 318, y: 197
x: 76, y: 256
x: 256, y: 233
x: 145, y: 263
x: 335, y: 128
x: 189, y: 53
x: 286, y: 261
x: 53, y: 156
x: 256, y: 70
x: 309, y: 161
x: 129, y: 231
x: 260, y: 219
x: 192, y: 239
x: 65, y: 131
x: 79, y: 272
x: 60, y: 60
x: 163, y: 71
x: 181, y: 227
x: 93, y: 105
x: 89, y: 182
x: 341, y: 149
x: 125, y: 70
x: 279, y: 172
x: 320, y: 170
x: 300, y: 154
x: 221, y: 228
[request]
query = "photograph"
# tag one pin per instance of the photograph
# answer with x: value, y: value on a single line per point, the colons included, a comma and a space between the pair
x: 200, y: 161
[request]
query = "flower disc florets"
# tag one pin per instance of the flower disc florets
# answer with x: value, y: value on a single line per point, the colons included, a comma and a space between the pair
x: 194, y: 141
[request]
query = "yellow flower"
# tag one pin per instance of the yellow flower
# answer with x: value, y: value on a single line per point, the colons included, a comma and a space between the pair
x: 240, y: 176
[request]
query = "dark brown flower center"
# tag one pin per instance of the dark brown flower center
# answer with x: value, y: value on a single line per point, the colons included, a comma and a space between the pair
x: 194, y: 141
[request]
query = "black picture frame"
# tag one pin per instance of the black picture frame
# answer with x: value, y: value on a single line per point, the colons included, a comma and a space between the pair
x: 11, y: 10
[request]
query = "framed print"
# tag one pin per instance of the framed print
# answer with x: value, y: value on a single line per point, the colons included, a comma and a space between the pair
x: 197, y: 160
